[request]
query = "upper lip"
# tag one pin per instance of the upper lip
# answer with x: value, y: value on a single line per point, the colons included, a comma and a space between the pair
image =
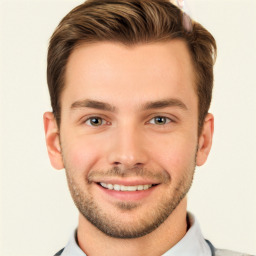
x: 127, y: 182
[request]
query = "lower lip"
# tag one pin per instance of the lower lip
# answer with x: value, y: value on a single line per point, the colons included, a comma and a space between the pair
x: 128, y: 195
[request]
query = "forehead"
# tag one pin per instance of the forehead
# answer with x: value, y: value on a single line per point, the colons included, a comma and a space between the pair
x: 108, y: 71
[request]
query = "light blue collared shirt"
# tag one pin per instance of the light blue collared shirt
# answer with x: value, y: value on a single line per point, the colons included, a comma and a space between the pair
x: 192, y: 244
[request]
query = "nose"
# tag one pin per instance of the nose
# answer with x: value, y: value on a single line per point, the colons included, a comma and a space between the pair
x: 127, y: 149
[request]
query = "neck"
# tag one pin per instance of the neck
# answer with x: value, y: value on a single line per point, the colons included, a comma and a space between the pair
x: 93, y: 242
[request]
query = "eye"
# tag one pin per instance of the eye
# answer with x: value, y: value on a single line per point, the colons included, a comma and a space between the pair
x: 95, y: 121
x: 160, y: 120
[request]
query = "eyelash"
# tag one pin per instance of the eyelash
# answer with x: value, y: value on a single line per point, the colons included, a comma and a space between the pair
x: 166, y: 118
x: 95, y: 117
x: 104, y: 122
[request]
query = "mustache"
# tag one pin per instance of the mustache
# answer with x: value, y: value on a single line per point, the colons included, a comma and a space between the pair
x: 117, y: 172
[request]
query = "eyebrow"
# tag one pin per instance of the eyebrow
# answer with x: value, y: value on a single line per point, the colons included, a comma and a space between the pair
x: 88, y: 103
x: 164, y: 104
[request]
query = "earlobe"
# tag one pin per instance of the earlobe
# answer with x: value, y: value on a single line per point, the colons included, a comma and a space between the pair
x: 205, y: 140
x: 53, y: 141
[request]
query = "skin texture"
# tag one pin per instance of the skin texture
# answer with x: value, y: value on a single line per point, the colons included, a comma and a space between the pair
x: 129, y: 116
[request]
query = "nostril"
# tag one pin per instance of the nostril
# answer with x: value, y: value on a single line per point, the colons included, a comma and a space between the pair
x: 139, y: 164
x: 136, y: 165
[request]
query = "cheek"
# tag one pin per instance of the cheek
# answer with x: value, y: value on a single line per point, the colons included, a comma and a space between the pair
x: 176, y: 155
x: 80, y: 154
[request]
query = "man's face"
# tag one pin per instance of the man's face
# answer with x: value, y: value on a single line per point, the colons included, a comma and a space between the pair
x: 129, y: 133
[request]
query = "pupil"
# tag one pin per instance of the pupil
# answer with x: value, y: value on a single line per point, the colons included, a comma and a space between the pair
x: 96, y: 121
x: 160, y: 120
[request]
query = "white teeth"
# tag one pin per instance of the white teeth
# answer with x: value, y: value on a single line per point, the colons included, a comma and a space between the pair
x: 125, y: 188
x: 109, y: 186
x: 140, y: 187
x: 132, y: 188
x: 104, y: 185
x: 145, y: 187
x: 117, y: 187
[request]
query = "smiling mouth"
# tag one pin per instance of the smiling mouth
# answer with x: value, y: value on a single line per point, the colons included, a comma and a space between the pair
x: 118, y: 187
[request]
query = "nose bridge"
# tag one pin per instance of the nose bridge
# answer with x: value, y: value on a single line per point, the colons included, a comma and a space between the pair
x: 127, y: 148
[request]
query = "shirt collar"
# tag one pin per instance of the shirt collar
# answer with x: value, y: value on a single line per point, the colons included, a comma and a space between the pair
x: 192, y: 244
x: 72, y: 248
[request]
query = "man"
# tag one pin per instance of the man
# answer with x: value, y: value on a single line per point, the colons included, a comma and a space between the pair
x: 130, y: 85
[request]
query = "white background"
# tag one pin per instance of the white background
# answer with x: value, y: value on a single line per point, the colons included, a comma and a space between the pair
x: 37, y: 213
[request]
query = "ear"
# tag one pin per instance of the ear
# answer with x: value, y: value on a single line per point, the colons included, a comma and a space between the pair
x: 205, y: 140
x: 53, y: 140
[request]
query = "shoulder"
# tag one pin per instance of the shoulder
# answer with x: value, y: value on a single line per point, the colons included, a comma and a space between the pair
x: 220, y: 252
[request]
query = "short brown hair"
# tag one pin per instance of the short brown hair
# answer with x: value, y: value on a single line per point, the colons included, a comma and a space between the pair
x: 130, y: 22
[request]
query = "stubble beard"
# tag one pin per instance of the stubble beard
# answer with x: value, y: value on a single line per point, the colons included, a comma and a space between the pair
x: 113, y: 226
